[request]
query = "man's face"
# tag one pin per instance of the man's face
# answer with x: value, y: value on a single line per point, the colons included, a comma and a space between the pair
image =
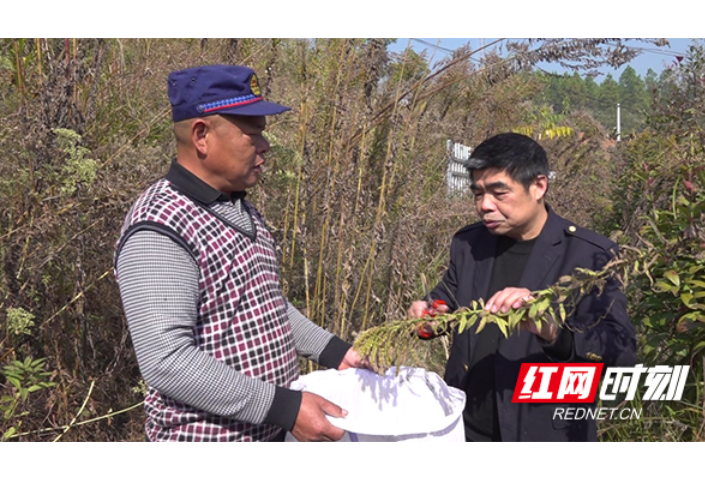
x: 236, y: 149
x: 506, y: 207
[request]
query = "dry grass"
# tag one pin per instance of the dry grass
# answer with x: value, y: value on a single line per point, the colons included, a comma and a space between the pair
x: 354, y: 192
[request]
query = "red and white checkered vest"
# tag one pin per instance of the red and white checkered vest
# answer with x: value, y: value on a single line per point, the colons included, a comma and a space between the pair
x: 242, y: 313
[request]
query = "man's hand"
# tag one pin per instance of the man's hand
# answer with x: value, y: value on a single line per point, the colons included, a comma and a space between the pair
x: 548, y: 331
x: 418, y: 309
x: 513, y: 297
x: 311, y: 423
x: 510, y: 297
x: 352, y: 359
x: 421, y: 309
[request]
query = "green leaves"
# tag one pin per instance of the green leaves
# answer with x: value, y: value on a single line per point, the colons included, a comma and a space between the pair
x: 19, y: 321
x: 662, y: 286
x: 667, y: 291
x: 28, y: 376
x: 392, y: 342
x: 672, y: 275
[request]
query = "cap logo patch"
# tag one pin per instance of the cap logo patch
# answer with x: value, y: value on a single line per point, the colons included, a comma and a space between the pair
x: 254, y: 85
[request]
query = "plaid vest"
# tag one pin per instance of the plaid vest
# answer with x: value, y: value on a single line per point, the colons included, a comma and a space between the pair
x: 242, y: 314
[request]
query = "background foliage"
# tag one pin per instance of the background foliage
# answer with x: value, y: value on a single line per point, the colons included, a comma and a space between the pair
x: 354, y: 193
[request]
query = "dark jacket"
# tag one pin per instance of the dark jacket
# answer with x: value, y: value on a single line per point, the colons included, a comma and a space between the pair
x: 601, y: 326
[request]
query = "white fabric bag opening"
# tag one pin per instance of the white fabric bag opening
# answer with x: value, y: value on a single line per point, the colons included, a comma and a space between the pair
x: 415, y: 405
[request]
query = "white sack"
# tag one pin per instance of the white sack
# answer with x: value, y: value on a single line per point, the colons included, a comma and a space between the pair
x: 415, y: 405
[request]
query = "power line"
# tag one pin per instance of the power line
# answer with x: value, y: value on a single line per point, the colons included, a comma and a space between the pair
x: 653, y: 50
x: 432, y: 45
x: 448, y: 50
x: 666, y: 53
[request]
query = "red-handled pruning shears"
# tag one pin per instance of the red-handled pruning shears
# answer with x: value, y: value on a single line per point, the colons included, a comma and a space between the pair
x: 425, y: 330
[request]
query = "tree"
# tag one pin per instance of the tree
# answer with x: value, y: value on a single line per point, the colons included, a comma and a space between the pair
x: 661, y: 208
x: 577, y: 91
x: 608, y: 99
x: 633, y: 100
x: 651, y: 82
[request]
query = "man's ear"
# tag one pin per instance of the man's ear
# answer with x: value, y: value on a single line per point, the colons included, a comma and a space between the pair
x: 199, y: 134
x: 540, y: 187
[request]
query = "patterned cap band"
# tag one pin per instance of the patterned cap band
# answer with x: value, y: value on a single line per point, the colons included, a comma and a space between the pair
x: 228, y: 103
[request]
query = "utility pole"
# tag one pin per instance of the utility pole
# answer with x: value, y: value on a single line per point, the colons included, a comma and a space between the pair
x: 619, y: 126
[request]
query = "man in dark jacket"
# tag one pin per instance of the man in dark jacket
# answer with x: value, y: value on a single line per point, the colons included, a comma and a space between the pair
x: 521, y: 246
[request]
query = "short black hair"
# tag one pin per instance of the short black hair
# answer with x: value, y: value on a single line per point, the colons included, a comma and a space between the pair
x: 519, y: 155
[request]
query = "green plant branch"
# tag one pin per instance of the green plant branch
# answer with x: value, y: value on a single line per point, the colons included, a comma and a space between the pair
x: 392, y: 343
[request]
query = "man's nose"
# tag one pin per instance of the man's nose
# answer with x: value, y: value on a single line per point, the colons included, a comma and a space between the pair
x: 263, y: 145
x: 485, y: 204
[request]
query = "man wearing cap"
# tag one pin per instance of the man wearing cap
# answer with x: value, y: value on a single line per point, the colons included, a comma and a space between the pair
x: 214, y: 337
x: 520, y: 246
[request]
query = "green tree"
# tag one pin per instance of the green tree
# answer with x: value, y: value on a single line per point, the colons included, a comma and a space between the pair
x: 651, y: 82
x: 592, y: 94
x: 608, y: 99
x: 633, y: 100
x: 667, y: 86
x: 661, y: 207
x: 631, y: 88
x: 576, y: 91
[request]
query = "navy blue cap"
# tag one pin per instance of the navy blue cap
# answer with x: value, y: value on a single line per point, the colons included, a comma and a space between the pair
x: 217, y: 90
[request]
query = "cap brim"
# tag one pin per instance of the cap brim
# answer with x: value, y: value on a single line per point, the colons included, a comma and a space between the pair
x: 257, y: 109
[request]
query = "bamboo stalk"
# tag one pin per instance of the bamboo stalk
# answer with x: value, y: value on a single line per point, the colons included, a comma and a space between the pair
x: 20, y: 76
x: 381, y: 203
x: 80, y: 411
x: 701, y: 392
x: 76, y: 424
x: 294, y: 229
x: 142, y: 131
x: 308, y: 299
x: 388, y: 187
x: 338, y: 270
x: 8, y: 353
x: 408, y: 155
x: 56, y: 252
x: 379, y: 115
x: 19, y: 72
x: 38, y: 44
x: 23, y: 257
x: 285, y: 280
x: 299, y: 176
x: 353, y: 228
x: 320, y: 291
x: 76, y: 298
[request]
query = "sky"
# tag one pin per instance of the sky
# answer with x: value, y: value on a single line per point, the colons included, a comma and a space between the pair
x: 656, y: 58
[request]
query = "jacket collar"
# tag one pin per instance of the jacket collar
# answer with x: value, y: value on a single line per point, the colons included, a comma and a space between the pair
x: 195, y: 188
x: 545, y: 253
